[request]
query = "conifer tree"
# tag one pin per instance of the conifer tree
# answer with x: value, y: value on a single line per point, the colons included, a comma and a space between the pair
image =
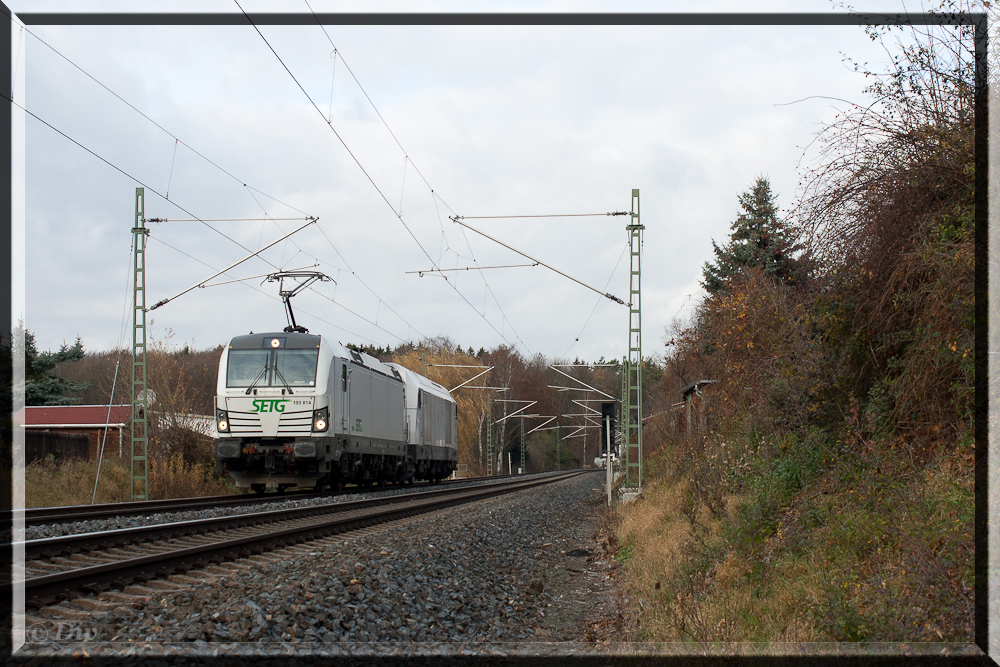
x: 42, y: 386
x: 758, y: 239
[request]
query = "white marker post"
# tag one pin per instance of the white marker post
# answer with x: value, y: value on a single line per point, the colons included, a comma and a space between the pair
x: 607, y: 461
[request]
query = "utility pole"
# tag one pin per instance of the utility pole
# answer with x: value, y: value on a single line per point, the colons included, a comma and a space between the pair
x: 607, y: 461
x: 558, y: 450
x: 489, y: 436
x: 632, y: 405
x: 140, y: 395
x: 523, y: 468
x: 423, y: 361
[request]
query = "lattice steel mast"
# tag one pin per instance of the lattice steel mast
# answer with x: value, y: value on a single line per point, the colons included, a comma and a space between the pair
x: 140, y: 395
x: 489, y: 436
x: 632, y: 405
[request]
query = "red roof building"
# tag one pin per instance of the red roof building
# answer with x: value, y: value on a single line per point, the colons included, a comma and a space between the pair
x: 92, y: 420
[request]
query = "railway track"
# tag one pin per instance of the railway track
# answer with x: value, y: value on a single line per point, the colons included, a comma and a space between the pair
x: 39, y: 516
x: 63, y: 568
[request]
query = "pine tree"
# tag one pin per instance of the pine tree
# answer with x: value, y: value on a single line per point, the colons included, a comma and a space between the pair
x: 758, y: 239
x: 41, y: 386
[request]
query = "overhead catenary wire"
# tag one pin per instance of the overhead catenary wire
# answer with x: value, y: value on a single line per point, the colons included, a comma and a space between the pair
x: 220, y: 219
x: 165, y: 130
x: 178, y: 141
x: 251, y: 190
x: 544, y: 215
x: 538, y: 261
x: 473, y: 268
x: 434, y: 195
x: 506, y: 320
x: 594, y: 310
x: 355, y: 158
x: 119, y: 169
x: 233, y: 265
x: 172, y: 161
x: 486, y: 283
x: 271, y: 296
x: 262, y: 275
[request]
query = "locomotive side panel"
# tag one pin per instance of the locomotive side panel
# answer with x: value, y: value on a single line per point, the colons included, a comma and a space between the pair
x: 431, y: 426
x: 359, y: 390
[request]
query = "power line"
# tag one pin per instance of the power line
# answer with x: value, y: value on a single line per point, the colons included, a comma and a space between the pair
x: 332, y: 299
x: 356, y: 161
x: 219, y: 219
x: 548, y: 215
x: 268, y: 295
x: 249, y: 188
x: 434, y: 195
x: 537, y: 261
x: 168, y: 132
x: 126, y: 174
x: 613, y: 271
x: 473, y: 268
x: 119, y: 169
x: 485, y: 282
x: 359, y: 316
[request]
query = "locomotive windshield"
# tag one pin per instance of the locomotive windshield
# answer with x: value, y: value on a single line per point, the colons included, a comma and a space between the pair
x: 296, y: 368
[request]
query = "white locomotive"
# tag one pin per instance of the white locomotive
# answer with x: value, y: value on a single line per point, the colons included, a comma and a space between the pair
x: 296, y: 410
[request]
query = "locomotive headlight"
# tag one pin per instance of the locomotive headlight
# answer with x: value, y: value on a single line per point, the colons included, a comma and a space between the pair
x: 222, y: 421
x: 321, y: 419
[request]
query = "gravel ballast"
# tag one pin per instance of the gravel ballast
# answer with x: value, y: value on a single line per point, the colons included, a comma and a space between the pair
x: 514, y: 569
x: 118, y: 522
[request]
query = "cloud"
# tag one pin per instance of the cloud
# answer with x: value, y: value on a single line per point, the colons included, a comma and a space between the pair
x: 499, y: 120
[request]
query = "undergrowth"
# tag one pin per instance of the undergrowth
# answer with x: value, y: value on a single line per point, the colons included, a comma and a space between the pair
x: 825, y: 493
x: 52, y: 483
x: 801, y: 547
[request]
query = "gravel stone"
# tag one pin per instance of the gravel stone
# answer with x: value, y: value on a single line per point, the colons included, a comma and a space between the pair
x: 485, y: 572
x: 115, y: 523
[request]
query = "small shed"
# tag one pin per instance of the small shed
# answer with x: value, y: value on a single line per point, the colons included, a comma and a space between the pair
x: 696, y: 402
x: 94, y: 421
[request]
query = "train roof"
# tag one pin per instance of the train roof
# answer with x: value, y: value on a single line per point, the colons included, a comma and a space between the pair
x: 421, y: 382
x: 287, y: 340
x: 300, y: 341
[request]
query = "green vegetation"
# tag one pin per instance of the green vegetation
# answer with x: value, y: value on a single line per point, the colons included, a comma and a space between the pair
x: 830, y: 497
x: 41, y: 385
x: 758, y: 239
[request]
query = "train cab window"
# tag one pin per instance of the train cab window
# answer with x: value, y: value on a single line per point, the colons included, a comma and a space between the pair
x: 420, y: 394
x: 343, y: 377
x: 295, y: 367
x: 248, y: 368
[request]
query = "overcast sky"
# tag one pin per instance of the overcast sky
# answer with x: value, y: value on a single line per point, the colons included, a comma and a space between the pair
x: 499, y: 120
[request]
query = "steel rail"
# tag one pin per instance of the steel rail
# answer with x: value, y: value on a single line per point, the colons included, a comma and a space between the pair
x: 40, y: 516
x: 46, y: 548
x: 51, y: 588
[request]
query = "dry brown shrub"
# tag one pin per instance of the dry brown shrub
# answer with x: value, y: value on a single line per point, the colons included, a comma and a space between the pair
x: 175, y: 477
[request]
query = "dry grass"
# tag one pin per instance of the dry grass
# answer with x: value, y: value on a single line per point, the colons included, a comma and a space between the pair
x: 685, y: 595
x: 52, y: 483
x: 856, y: 555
